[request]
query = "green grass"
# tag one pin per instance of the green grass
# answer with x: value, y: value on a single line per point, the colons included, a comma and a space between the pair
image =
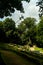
x: 39, y: 49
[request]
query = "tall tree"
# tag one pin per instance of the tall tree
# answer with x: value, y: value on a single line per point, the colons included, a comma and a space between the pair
x: 7, y: 7
x: 11, y: 32
x: 26, y: 29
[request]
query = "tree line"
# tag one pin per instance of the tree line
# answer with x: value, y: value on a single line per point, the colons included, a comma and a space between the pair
x: 27, y: 32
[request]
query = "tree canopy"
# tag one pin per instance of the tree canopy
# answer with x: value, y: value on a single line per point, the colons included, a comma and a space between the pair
x: 8, y: 6
x: 8, y: 24
x: 40, y: 32
x: 27, y: 29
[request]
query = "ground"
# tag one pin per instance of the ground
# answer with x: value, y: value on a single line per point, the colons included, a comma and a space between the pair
x: 11, y: 58
x: 11, y: 55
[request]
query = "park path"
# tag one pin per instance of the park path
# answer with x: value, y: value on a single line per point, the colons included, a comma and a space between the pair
x: 11, y: 58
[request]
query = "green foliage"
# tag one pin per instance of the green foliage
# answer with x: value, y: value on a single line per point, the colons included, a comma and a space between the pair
x: 8, y: 24
x: 27, y: 24
x: 8, y: 33
x: 40, y: 32
x: 28, y: 29
x: 1, y: 25
x: 2, y: 33
x: 16, y: 38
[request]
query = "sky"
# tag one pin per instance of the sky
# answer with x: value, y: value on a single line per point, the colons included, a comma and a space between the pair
x: 31, y: 10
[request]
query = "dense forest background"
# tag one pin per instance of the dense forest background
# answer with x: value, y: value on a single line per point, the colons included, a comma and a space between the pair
x: 27, y: 32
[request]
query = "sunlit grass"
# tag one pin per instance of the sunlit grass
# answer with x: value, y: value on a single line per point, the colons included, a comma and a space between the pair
x: 39, y: 49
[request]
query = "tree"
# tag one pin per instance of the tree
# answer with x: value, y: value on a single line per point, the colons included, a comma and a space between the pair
x: 40, y: 33
x: 1, y: 25
x: 13, y: 37
x: 9, y: 28
x: 28, y: 29
x: 40, y: 4
x: 8, y: 24
x: 16, y: 38
x: 11, y: 31
x: 2, y: 33
x: 8, y: 6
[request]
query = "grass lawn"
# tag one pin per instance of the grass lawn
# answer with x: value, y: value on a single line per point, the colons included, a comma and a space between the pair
x: 38, y: 49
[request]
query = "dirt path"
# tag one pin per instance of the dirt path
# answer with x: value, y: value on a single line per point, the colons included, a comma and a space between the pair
x: 11, y: 58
